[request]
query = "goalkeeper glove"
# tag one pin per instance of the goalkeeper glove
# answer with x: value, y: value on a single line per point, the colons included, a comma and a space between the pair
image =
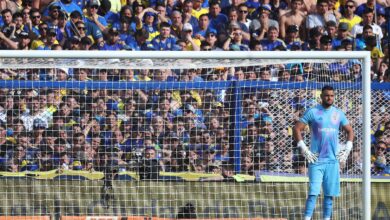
x: 344, y: 153
x: 310, y: 156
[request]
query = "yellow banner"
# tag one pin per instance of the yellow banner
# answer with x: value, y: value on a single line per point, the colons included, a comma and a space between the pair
x: 22, y: 196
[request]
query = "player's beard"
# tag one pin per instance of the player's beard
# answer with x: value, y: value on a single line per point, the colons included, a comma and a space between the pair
x: 327, y: 104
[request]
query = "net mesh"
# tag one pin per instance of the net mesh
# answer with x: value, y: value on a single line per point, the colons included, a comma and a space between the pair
x: 169, y: 138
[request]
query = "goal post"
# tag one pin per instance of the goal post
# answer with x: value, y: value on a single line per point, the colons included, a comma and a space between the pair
x: 231, y: 93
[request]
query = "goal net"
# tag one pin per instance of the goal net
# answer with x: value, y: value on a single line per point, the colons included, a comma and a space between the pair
x: 172, y: 135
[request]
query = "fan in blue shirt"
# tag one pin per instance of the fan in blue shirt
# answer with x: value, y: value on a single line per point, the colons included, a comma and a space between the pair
x: 164, y: 41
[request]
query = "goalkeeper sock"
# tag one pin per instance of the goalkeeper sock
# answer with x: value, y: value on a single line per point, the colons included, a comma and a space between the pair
x: 328, y: 203
x: 310, y: 205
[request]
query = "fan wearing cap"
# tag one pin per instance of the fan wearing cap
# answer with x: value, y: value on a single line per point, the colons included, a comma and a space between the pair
x: 321, y: 16
x: 73, y: 43
x: 93, y: 17
x: 112, y: 42
x: 54, y: 11
x: 147, y: 20
x: 294, y: 17
x: 43, y: 32
x: 381, y: 17
x: 24, y: 42
x: 191, y: 44
x: 262, y: 23
x: 66, y: 5
x: 349, y: 15
x: 342, y: 34
x: 164, y: 41
x: 51, y: 39
x: 211, y: 40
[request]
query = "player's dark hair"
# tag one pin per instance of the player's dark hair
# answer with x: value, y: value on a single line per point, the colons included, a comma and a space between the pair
x: 327, y: 87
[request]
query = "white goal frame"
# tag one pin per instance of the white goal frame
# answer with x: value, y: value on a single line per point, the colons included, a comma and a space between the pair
x: 280, y: 55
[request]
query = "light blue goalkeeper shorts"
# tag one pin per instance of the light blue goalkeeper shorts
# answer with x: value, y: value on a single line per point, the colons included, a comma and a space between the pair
x: 326, y: 174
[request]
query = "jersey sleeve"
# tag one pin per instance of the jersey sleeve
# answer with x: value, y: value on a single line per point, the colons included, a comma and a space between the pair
x: 307, y: 117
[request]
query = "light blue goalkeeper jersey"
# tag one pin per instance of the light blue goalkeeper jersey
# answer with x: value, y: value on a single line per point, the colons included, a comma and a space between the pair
x: 324, y: 125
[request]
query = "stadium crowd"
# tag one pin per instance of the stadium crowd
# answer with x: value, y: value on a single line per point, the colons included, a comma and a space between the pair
x: 186, y: 130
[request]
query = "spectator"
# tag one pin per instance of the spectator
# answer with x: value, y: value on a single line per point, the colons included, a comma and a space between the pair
x: 140, y: 41
x: 177, y: 23
x: 260, y: 26
x: 233, y: 23
x: 383, y: 67
x: 32, y: 26
x: 187, y: 16
x: 215, y: 16
x: 247, y: 166
x: 26, y: 14
x: 342, y: 34
x: 51, y: 39
x: 368, y: 19
x: 211, y: 40
x: 162, y: 14
x: 295, y: 17
x: 67, y: 5
x: 17, y: 19
x: 242, y: 17
x: 292, y: 38
x: 112, y: 42
x: 198, y: 9
x: 147, y: 20
x: 371, y: 5
x: 93, y: 18
x: 321, y: 17
x: 190, y: 42
x: 235, y: 40
x: 376, y: 54
x: 331, y: 29
x: 202, y: 28
x: 165, y: 40
x: 8, y: 26
x: 272, y: 40
x: 349, y: 16
x: 379, y: 159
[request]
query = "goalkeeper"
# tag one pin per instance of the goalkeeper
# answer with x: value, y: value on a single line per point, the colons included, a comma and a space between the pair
x: 324, y: 154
